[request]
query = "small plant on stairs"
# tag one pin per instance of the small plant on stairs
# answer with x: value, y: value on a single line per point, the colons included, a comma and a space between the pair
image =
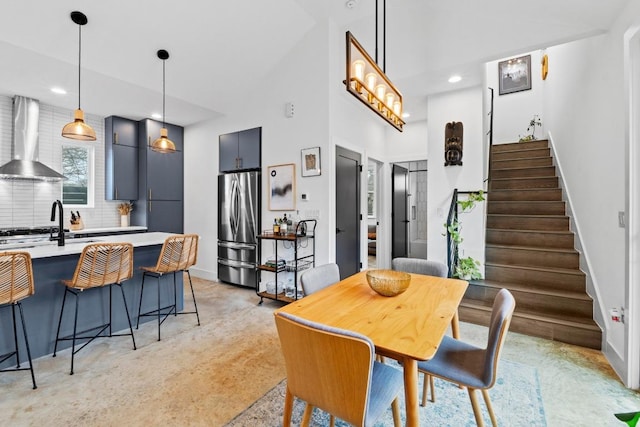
x: 467, y: 268
x: 535, y: 121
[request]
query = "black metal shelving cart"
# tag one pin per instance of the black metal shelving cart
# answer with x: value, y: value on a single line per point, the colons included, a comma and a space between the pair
x: 301, y: 238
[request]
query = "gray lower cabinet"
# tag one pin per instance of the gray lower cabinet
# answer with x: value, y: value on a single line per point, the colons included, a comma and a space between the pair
x: 121, y: 158
x: 161, y: 180
x: 240, y: 150
x: 165, y: 215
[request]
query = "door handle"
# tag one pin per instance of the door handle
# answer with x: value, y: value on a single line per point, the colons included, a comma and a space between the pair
x: 338, y: 230
x: 406, y: 220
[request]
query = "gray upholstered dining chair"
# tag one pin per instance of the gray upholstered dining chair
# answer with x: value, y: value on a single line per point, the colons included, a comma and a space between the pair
x: 419, y: 266
x: 474, y: 367
x: 319, y: 277
x: 428, y: 268
x: 334, y: 370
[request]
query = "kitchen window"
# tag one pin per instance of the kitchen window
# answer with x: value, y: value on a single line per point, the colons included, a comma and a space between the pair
x: 78, y: 168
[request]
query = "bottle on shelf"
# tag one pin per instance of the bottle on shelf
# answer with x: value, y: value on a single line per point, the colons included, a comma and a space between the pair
x: 283, y: 225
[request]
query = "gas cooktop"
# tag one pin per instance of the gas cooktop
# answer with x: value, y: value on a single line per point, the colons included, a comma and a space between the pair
x: 28, y: 231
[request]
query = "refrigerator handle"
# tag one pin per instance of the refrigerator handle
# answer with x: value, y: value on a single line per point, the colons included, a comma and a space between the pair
x: 233, y: 210
x: 236, y: 264
x: 232, y: 245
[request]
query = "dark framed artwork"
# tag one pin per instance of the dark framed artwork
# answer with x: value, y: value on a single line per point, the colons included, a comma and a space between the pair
x: 310, y: 160
x: 515, y: 74
x: 282, y: 187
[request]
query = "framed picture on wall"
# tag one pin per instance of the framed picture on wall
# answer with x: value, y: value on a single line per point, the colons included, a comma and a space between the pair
x: 282, y: 187
x: 515, y: 74
x: 310, y: 161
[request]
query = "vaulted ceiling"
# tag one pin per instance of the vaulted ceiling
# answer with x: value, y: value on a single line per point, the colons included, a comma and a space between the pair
x: 219, y: 49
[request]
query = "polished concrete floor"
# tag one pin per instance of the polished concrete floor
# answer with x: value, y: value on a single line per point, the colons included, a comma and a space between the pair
x: 205, y: 375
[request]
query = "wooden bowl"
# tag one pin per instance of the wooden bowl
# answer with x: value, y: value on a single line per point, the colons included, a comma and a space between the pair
x: 388, y: 283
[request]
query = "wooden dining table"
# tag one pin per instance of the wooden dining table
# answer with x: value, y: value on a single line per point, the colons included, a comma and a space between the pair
x: 407, y: 327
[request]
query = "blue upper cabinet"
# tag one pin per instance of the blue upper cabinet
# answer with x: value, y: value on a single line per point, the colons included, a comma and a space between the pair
x: 240, y: 150
x: 121, y: 158
x: 161, y: 180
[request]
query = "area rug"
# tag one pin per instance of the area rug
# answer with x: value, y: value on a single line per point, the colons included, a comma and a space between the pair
x: 515, y: 397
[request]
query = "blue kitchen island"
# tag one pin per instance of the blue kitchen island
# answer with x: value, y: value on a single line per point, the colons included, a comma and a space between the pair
x: 53, y: 263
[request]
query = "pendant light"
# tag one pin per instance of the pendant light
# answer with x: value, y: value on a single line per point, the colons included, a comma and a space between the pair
x: 163, y: 144
x: 367, y: 81
x: 78, y: 129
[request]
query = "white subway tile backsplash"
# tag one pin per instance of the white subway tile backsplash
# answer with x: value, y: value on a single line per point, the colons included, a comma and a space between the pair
x: 28, y: 203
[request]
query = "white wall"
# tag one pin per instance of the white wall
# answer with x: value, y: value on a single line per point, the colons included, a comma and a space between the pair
x: 513, y: 111
x: 282, y: 139
x: 27, y: 203
x: 461, y: 106
x: 586, y: 118
x: 326, y: 115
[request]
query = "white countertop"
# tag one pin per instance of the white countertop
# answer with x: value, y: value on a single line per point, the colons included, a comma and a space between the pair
x: 108, y: 229
x: 75, y: 246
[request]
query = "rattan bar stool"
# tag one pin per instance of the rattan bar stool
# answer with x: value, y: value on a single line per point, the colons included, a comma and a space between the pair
x: 179, y: 252
x: 100, y: 264
x: 16, y: 284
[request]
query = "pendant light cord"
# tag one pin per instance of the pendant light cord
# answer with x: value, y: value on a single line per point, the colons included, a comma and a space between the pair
x: 163, y: 92
x: 79, y: 59
x: 384, y: 34
x: 376, y: 31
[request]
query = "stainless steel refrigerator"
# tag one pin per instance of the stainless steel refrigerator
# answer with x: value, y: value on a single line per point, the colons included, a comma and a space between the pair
x: 238, y: 226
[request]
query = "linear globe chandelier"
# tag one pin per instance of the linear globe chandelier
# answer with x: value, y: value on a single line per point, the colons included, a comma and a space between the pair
x: 369, y: 83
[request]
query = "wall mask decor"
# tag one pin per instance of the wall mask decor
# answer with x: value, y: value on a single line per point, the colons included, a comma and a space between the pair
x: 453, y: 144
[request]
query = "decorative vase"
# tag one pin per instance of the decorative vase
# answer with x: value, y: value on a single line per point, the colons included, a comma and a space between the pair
x: 124, y: 220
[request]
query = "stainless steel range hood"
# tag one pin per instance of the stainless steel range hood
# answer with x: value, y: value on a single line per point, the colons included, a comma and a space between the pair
x: 25, y: 144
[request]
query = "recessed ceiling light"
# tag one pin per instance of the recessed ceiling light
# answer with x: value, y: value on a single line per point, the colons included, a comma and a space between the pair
x: 455, y: 79
x: 156, y: 116
x: 405, y: 115
x: 58, y: 90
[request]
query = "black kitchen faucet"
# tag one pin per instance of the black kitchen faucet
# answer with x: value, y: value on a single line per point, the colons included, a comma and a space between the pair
x: 60, y: 237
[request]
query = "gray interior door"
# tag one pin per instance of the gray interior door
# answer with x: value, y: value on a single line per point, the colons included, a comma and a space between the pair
x: 399, y: 217
x: 347, y: 212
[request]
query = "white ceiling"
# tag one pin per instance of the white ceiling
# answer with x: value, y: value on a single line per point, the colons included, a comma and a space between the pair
x: 221, y: 50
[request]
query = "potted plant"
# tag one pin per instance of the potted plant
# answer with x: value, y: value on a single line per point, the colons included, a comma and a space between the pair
x: 535, y: 121
x: 468, y: 269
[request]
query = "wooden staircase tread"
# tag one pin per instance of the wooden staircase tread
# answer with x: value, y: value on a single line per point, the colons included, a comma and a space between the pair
x: 572, y: 271
x: 553, y: 232
x: 519, y: 150
x: 521, y: 168
x: 571, y: 321
x: 512, y: 286
x: 514, y: 143
x: 500, y: 190
x: 528, y: 215
x: 519, y: 202
x: 511, y: 160
x: 522, y: 178
x: 532, y: 248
